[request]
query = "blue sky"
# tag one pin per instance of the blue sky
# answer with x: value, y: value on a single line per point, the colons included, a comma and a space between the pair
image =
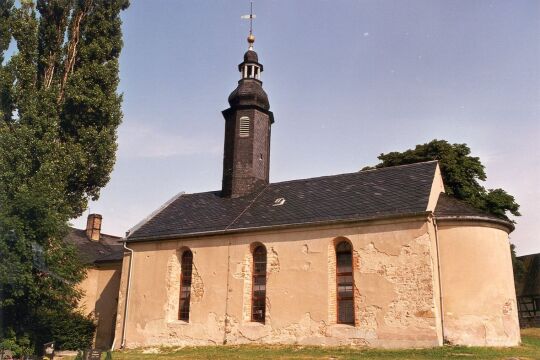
x: 347, y: 80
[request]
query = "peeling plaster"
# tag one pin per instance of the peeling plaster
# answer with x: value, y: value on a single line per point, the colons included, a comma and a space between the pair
x: 272, y: 261
x: 411, y: 274
x: 393, y: 293
x: 173, y: 288
x: 197, y: 285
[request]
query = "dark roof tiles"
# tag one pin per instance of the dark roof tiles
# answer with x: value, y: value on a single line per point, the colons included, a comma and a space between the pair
x: 251, y: 56
x: 108, y: 248
x: 249, y: 92
x: 448, y: 206
x: 398, y: 190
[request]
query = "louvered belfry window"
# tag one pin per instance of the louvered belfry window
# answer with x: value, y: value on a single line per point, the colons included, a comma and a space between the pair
x: 244, y: 126
x: 345, y: 283
x: 185, y: 285
x: 258, y: 298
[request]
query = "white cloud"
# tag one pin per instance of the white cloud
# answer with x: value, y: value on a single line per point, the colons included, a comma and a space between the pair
x: 143, y: 141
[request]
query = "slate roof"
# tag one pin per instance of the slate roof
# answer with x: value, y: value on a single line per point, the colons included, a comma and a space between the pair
x: 249, y: 92
x: 392, y: 191
x: 108, y: 248
x: 251, y: 57
x: 450, y: 207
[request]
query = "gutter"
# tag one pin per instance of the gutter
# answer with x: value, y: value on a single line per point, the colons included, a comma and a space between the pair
x: 277, y: 227
x: 508, y: 225
x: 441, y: 302
x: 126, y: 306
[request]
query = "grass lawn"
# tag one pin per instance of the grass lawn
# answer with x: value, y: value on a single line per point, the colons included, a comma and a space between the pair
x: 530, y: 349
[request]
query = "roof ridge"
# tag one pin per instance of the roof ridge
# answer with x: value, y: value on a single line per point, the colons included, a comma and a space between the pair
x: 325, y: 176
x: 102, y: 233
x: 356, y: 172
x: 402, y: 165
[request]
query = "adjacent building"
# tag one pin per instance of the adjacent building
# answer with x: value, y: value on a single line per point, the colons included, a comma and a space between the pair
x: 528, y: 291
x: 103, y: 254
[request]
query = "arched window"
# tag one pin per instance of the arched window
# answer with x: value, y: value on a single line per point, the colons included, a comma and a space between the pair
x: 258, y: 295
x: 185, y: 285
x: 345, y: 283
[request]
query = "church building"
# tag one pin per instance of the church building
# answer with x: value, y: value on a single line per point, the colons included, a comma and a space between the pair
x: 379, y: 258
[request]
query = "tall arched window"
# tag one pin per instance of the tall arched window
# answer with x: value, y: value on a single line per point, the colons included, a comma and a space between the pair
x: 345, y: 283
x: 185, y: 285
x: 258, y: 295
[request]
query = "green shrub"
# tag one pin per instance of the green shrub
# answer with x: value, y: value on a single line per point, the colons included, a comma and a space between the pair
x: 69, y: 330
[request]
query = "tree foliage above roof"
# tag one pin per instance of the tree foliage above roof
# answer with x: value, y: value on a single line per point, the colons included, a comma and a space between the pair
x: 59, y: 113
x: 461, y: 172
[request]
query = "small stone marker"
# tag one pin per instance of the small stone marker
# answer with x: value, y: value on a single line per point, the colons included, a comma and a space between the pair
x: 93, y: 354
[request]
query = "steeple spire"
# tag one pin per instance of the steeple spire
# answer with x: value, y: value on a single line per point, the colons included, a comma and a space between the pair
x: 251, y: 16
x: 246, y: 158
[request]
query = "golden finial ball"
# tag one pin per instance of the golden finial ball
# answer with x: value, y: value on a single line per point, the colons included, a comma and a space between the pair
x: 251, y: 38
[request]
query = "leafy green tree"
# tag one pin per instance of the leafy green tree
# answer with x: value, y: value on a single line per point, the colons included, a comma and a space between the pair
x: 59, y: 113
x: 461, y: 174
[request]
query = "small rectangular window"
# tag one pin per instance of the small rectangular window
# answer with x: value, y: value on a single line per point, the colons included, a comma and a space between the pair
x: 244, y: 126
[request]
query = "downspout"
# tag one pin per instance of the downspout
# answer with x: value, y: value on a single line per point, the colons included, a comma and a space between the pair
x: 226, y: 323
x: 439, y: 275
x: 126, y: 307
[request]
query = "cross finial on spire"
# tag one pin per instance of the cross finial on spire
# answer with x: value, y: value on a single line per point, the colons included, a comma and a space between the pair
x: 251, y: 16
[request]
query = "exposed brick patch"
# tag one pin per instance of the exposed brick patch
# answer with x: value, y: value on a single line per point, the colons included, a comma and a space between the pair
x: 272, y: 261
x: 332, y: 300
x: 355, y: 260
x: 368, y: 317
x: 173, y: 287
x: 197, y: 285
x: 246, y: 295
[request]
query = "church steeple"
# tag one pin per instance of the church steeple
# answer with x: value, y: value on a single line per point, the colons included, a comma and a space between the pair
x: 246, y: 158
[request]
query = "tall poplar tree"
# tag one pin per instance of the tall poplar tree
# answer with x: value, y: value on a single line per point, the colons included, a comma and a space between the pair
x: 59, y: 114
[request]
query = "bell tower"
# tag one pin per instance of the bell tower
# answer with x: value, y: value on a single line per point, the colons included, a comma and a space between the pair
x: 246, y: 158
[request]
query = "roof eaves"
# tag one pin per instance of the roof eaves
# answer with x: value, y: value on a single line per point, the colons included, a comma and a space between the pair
x: 108, y: 260
x: 278, y: 227
x: 382, y: 169
x: 507, y: 224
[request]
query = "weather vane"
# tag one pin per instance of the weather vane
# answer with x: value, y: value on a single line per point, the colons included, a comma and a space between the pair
x: 251, y: 16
